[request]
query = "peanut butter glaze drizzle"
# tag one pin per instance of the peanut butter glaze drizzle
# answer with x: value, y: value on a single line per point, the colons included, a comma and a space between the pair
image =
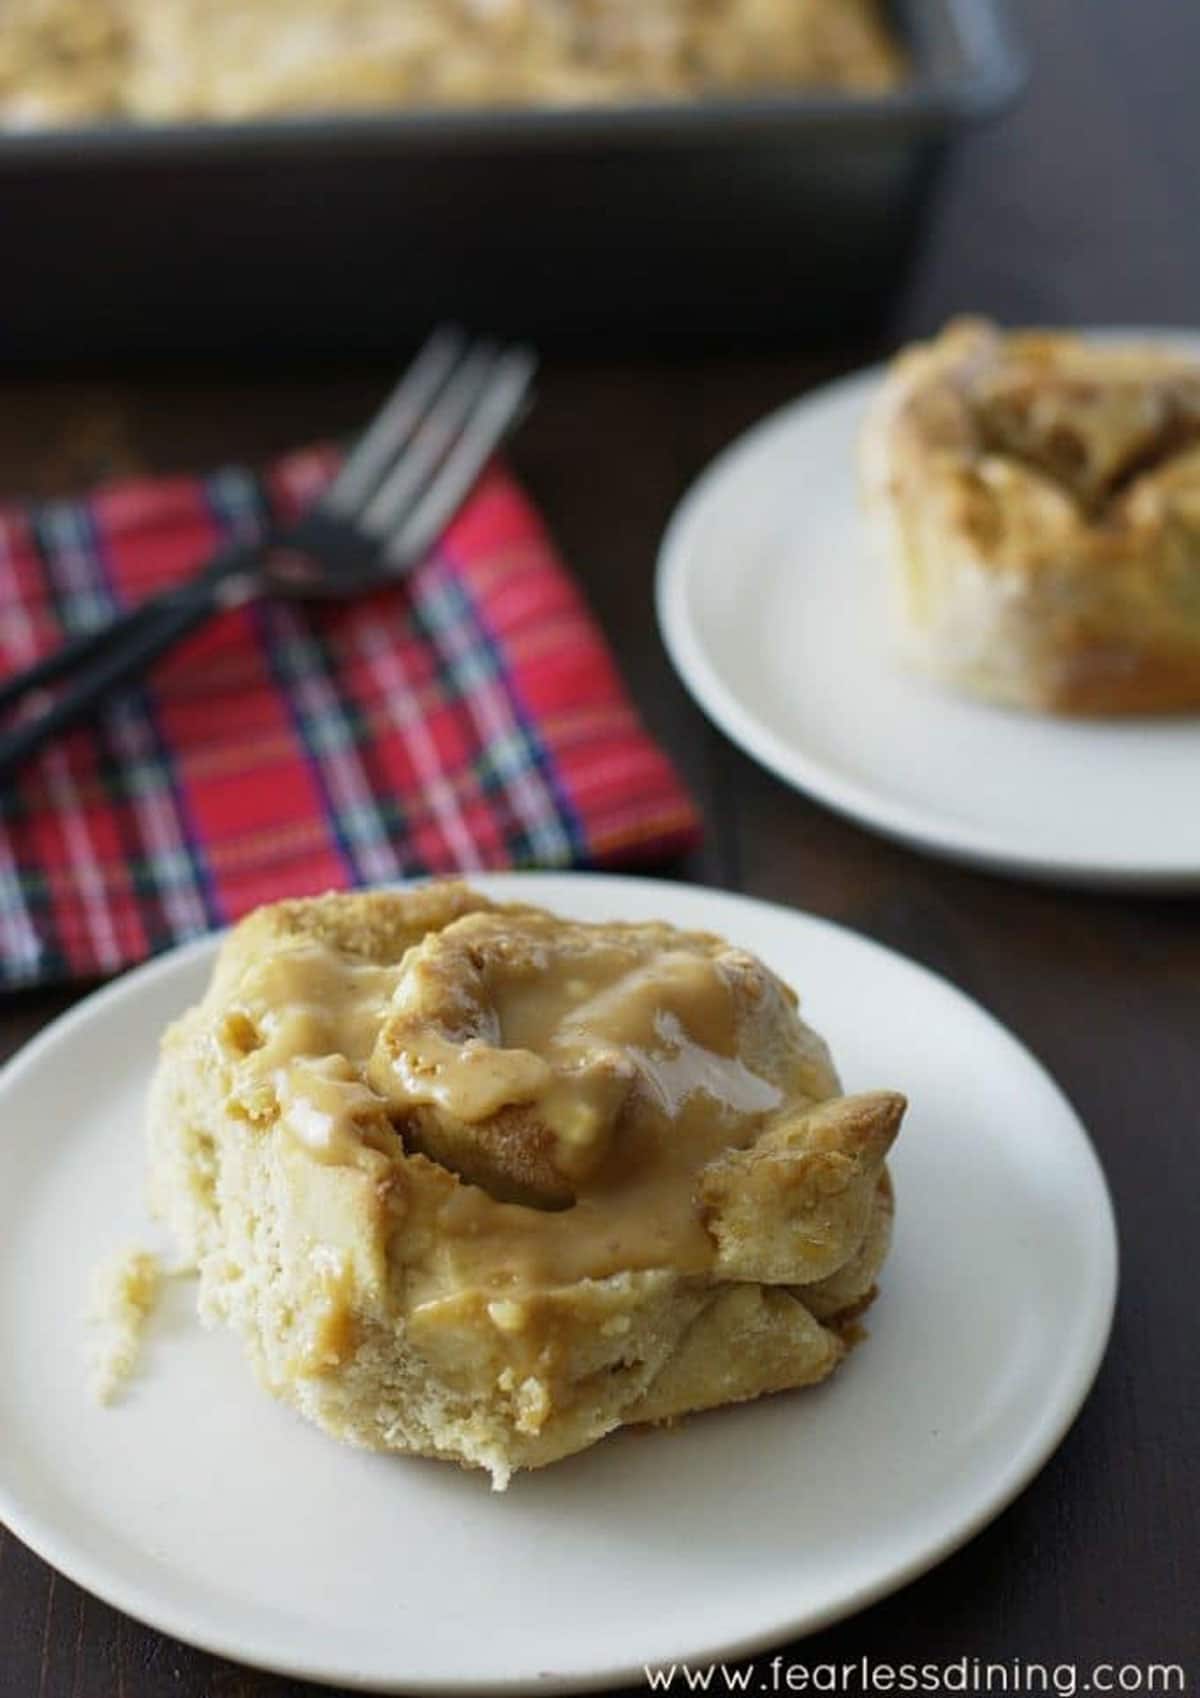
x: 587, y: 1072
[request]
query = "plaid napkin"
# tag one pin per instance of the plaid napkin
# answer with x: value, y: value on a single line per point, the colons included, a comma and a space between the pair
x: 469, y: 718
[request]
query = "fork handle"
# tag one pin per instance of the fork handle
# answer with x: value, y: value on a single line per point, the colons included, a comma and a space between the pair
x: 125, y: 657
x: 77, y: 652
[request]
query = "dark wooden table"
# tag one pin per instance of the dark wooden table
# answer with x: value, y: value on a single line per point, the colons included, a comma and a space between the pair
x: 1084, y: 206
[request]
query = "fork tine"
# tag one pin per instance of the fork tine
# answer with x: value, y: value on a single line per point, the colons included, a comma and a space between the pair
x: 395, y: 422
x: 443, y: 422
x: 496, y: 409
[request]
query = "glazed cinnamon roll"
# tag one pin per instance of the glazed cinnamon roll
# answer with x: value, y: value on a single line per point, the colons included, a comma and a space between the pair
x: 480, y: 1183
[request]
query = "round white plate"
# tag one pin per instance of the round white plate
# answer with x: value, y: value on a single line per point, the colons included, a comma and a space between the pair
x: 206, y: 1509
x: 772, y: 606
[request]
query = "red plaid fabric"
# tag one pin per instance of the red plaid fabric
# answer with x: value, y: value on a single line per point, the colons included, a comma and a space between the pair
x: 470, y: 718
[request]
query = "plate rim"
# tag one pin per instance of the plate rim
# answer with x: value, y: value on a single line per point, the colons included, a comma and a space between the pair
x: 900, y: 821
x: 1089, y: 1347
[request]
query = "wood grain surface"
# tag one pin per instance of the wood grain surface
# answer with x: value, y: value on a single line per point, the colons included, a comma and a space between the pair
x: 1083, y: 206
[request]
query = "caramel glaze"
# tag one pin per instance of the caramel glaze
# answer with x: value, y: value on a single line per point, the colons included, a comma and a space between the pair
x: 541, y: 1094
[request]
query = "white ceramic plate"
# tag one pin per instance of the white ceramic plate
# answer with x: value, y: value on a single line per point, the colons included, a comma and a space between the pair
x: 772, y: 607
x: 206, y: 1509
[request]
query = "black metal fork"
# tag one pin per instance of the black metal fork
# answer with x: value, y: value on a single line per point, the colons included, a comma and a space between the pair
x: 401, y: 484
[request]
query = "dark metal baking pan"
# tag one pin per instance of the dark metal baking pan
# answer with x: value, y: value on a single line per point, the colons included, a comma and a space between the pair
x: 789, y: 215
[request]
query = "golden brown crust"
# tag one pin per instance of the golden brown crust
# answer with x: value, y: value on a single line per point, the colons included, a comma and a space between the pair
x: 1038, y: 497
x: 379, y: 926
x: 783, y: 1210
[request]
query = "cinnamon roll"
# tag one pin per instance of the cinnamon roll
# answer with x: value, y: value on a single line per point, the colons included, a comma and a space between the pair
x: 1038, y: 500
x: 475, y: 1182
